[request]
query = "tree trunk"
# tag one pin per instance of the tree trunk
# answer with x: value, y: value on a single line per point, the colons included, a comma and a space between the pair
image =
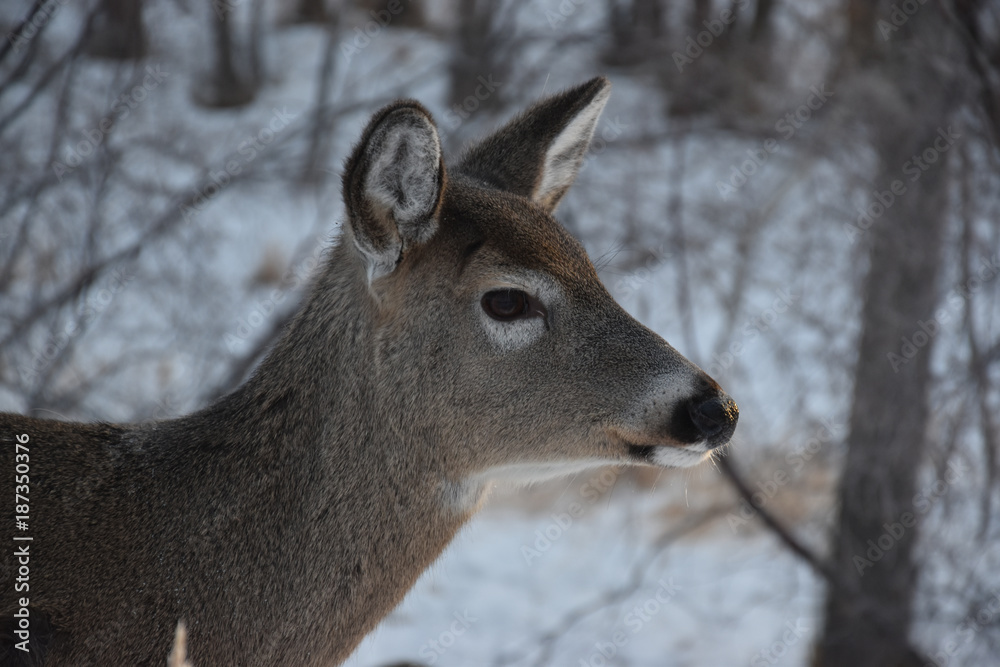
x: 480, y: 69
x: 406, y: 14
x: 761, y: 27
x: 230, y: 88
x: 886, y: 445
x: 311, y: 11
x: 637, y: 30
x: 868, y: 621
x: 119, y: 32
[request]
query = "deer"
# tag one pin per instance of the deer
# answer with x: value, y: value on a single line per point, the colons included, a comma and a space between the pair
x: 456, y: 337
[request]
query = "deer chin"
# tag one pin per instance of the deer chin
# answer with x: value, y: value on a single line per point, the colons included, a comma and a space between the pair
x: 668, y: 455
x: 685, y: 456
x: 641, y: 449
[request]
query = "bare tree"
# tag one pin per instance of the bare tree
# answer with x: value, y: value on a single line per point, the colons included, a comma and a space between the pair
x: 231, y: 83
x: 404, y: 14
x: 637, y: 29
x: 761, y: 26
x: 482, y: 65
x: 119, y: 32
x: 311, y: 11
x: 908, y: 104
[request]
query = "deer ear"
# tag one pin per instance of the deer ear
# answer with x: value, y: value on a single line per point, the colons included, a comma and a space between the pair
x: 538, y: 154
x: 393, y: 184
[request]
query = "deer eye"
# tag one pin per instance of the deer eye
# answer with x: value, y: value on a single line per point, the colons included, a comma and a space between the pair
x: 506, y: 305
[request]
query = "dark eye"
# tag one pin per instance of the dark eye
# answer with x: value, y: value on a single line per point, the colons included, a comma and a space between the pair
x: 505, y: 305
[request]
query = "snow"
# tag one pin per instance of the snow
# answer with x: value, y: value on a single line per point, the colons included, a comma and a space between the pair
x: 712, y: 598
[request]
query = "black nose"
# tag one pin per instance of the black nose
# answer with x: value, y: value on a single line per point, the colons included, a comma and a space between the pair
x: 715, y: 418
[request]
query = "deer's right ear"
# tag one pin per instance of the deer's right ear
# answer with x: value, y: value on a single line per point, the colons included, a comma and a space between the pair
x: 393, y: 183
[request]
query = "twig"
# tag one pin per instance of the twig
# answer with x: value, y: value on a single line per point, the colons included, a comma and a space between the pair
x: 872, y: 609
x: 7, y: 44
x: 802, y: 551
x: 50, y: 73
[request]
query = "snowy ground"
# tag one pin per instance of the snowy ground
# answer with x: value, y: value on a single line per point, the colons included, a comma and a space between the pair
x: 607, y: 588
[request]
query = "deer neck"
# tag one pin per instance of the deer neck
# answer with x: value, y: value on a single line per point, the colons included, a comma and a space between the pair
x: 367, y: 497
x: 320, y: 391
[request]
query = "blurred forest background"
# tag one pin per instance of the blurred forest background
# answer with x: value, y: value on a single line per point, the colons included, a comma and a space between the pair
x: 803, y: 197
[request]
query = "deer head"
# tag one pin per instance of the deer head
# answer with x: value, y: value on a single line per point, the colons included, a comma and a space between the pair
x: 491, y: 328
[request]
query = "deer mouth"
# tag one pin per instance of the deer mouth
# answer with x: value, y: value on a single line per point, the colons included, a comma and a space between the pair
x: 665, y: 454
x: 669, y: 456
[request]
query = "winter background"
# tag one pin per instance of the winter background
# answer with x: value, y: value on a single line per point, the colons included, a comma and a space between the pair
x: 169, y: 178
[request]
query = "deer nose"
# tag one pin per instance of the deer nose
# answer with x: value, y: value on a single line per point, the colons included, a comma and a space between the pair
x: 715, y: 418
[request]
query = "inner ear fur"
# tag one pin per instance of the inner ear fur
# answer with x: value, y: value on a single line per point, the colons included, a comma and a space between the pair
x: 393, y: 184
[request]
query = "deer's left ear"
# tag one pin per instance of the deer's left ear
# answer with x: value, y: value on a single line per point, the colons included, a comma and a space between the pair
x: 393, y: 184
x: 539, y: 153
